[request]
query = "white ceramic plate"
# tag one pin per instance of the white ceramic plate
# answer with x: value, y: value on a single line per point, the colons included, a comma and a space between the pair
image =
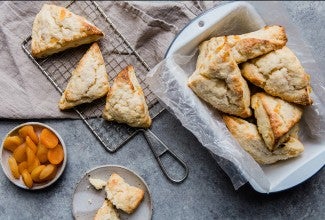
x: 5, y: 155
x: 87, y: 200
x: 238, y: 18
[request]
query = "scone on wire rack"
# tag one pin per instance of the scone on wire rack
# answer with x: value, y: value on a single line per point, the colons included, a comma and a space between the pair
x: 125, y: 102
x: 56, y: 29
x: 122, y: 195
x: 89, y: 81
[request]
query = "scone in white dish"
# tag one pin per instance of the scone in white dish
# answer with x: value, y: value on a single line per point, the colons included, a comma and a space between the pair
x: 87, y: 200
x: 5, y: 155
x: 238, y: 18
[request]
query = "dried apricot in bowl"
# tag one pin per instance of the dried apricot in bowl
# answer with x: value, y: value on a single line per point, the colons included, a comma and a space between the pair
x: 55, y: 155
x: 33, y: 155
x: 12, y: 142
x: 48, y: 138
x: 28, y: 130
x: 13, y: 167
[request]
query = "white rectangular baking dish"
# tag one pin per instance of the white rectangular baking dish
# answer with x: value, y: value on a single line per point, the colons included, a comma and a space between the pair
x: 238, y: 18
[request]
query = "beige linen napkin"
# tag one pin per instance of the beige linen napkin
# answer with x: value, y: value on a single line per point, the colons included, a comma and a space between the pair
x: 26, y: 93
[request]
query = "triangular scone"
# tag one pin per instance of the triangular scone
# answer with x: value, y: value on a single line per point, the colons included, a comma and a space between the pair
x: 257, y: 43
x: 125, y: 102
x: 218, y: 81
x: 276, y: 118
x: 122, y: 195
x: 89, y: 81
x: 251, y: 141
x: 280, y: 74
x: 107, y: 212
x: 56, y: 29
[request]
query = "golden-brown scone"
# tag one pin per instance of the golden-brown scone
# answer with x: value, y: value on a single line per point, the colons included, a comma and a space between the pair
x: 276, y: 118
x: 280, y: 74
x: 107, y: 212
x: 122, y: 195
x: 251, y: 141
x: 125, y: 102
x: 218, y: 81
x: 257, y: 43
x: 56, y: 29
x: 89, y: 81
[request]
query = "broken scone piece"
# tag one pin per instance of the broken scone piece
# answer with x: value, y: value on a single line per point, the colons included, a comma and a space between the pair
x: 107, y: 212
x: 280, y: 74
x: 122, y: 195
x: 276, y: 119
x: 125, y: 102
x: 89, y: 81
x: 218, y: 81
x: 251, y: 141
x: 97, y: 183
x: 56, y: 29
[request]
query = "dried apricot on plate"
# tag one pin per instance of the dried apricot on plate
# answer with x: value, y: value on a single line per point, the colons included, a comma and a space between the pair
x: 48, y: 138
x: 34, y: 164
x: 22, y: 166
x: 13, y: 167
x: 20, y: 153
x: 48, y: 172
x: 12, y: 142
x: 28, y: 130
x: 27, y: 179
x: 31, y: 144
x: 42, y: 153
x: 55, y: 155
x: 36, y: 172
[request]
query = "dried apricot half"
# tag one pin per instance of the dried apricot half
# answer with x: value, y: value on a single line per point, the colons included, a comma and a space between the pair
x: 31, y: 144
x: 13, y: 167
x: 55, y: 155
x: 48, y: 172
x: 28, y: 130
x: 48, y: 138
x: 12, y: 142
x: 36, y: 172
x: 27, y: 179
x: 42, y: 153
x: 20, y: 153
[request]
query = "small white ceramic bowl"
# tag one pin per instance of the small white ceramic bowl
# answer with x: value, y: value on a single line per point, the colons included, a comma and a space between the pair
x: 5, y: 155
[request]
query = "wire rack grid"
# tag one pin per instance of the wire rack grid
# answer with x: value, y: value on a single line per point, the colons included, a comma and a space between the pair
x: 117, y: 53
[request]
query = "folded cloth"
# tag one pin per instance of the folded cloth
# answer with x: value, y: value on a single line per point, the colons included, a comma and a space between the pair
x: 26, y: 93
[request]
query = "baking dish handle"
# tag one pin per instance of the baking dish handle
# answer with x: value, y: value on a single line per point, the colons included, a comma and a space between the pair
x: 159, y: 149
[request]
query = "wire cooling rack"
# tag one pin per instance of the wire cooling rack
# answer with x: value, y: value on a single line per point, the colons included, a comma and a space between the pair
x: 117, y: 54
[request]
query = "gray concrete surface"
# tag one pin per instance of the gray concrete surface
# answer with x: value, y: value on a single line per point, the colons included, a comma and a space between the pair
x: 206, y: 194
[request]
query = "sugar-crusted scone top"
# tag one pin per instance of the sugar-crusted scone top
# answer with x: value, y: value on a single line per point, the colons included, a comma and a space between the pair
x: 56, y: 29
x: 275, y: 117
x: 89, y: 81
x: 251, y: 141
x: 125, y: 101
x: 218, y: 81
x: 254, y: 44
x: 280, y: 74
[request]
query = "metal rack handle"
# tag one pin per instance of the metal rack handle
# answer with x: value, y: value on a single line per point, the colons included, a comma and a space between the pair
x: 159, y: 149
